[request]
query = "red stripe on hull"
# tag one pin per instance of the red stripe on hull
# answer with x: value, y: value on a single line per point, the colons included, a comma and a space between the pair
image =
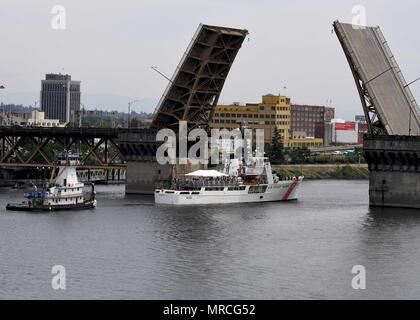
x: 290, y: 190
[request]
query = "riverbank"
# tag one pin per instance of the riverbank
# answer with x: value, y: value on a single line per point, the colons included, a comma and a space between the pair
x: 324, y: 172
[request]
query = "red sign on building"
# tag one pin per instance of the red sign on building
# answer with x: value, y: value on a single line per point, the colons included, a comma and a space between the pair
x: 348, y: 126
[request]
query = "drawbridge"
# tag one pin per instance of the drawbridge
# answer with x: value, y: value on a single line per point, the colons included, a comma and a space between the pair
x: 392, y: 148
x: 195, y: 87
x: 390, y: 107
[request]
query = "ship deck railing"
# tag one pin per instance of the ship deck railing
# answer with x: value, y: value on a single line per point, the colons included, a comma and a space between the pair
x: 197, y: 185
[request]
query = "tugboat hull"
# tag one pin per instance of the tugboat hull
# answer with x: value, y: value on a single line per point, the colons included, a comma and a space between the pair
x: 43, y: 208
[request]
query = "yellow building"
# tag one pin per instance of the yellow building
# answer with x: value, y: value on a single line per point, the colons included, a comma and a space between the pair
x: 299, y: 139
x: 306, y: 142
x: 273, y: 112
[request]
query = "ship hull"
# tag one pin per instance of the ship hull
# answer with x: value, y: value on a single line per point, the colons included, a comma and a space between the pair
x: 43, y: 208
x: 284, y: 191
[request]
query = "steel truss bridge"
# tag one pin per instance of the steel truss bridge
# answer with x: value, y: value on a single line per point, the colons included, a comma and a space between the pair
x: 100, y: 148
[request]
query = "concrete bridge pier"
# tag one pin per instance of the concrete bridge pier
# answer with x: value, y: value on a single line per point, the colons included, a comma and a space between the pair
x: 394, y: 165
x: 143, y: 173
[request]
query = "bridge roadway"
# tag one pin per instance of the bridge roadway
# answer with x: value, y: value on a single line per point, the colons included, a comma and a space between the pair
x: 337, y: 148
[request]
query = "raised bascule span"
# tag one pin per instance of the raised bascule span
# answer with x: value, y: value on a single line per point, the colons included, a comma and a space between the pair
x: 195, y: 87
x: 392, y: 148
x: 191, y: 95
x: 388, y: 103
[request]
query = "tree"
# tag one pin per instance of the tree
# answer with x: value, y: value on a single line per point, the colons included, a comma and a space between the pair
x: 275, y: 149
x: 134, y: 123
x: 299, y: 155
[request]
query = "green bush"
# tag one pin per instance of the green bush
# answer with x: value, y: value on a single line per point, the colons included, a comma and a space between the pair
x: 346, y: 172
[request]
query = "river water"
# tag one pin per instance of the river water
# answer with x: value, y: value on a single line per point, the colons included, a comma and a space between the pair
x: 131, y: 249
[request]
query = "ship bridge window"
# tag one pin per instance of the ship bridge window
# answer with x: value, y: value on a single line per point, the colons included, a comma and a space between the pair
x: 195, y: 192
x: 170, y: 192
x: 214, y: 189
x: 257, y: 189
x: 184, y: 192
x: 236, y: 188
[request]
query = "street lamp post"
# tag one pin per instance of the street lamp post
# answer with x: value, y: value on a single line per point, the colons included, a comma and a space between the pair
x: 35, y: 113
x: 82, y: 114
x: 2, y: 87
x: 1, y: 123
x: 129, y: 112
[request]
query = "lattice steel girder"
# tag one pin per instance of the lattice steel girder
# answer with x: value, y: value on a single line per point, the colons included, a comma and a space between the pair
x: 35, y: 146
x: 195, y: 88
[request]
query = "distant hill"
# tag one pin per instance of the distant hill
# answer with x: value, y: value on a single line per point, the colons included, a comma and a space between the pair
x: 15, y: 108
x: 89, y: 118
x: 91, y: 101
x: 119, y: 103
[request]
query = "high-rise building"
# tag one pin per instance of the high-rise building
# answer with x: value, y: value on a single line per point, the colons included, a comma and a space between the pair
x: 60, y: 98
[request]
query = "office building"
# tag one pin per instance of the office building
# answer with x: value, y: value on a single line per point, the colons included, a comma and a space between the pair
x: 306, y: 118
x: 60, y: 98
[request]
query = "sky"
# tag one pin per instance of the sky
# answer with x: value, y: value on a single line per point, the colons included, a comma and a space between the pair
x: 111, y: 45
